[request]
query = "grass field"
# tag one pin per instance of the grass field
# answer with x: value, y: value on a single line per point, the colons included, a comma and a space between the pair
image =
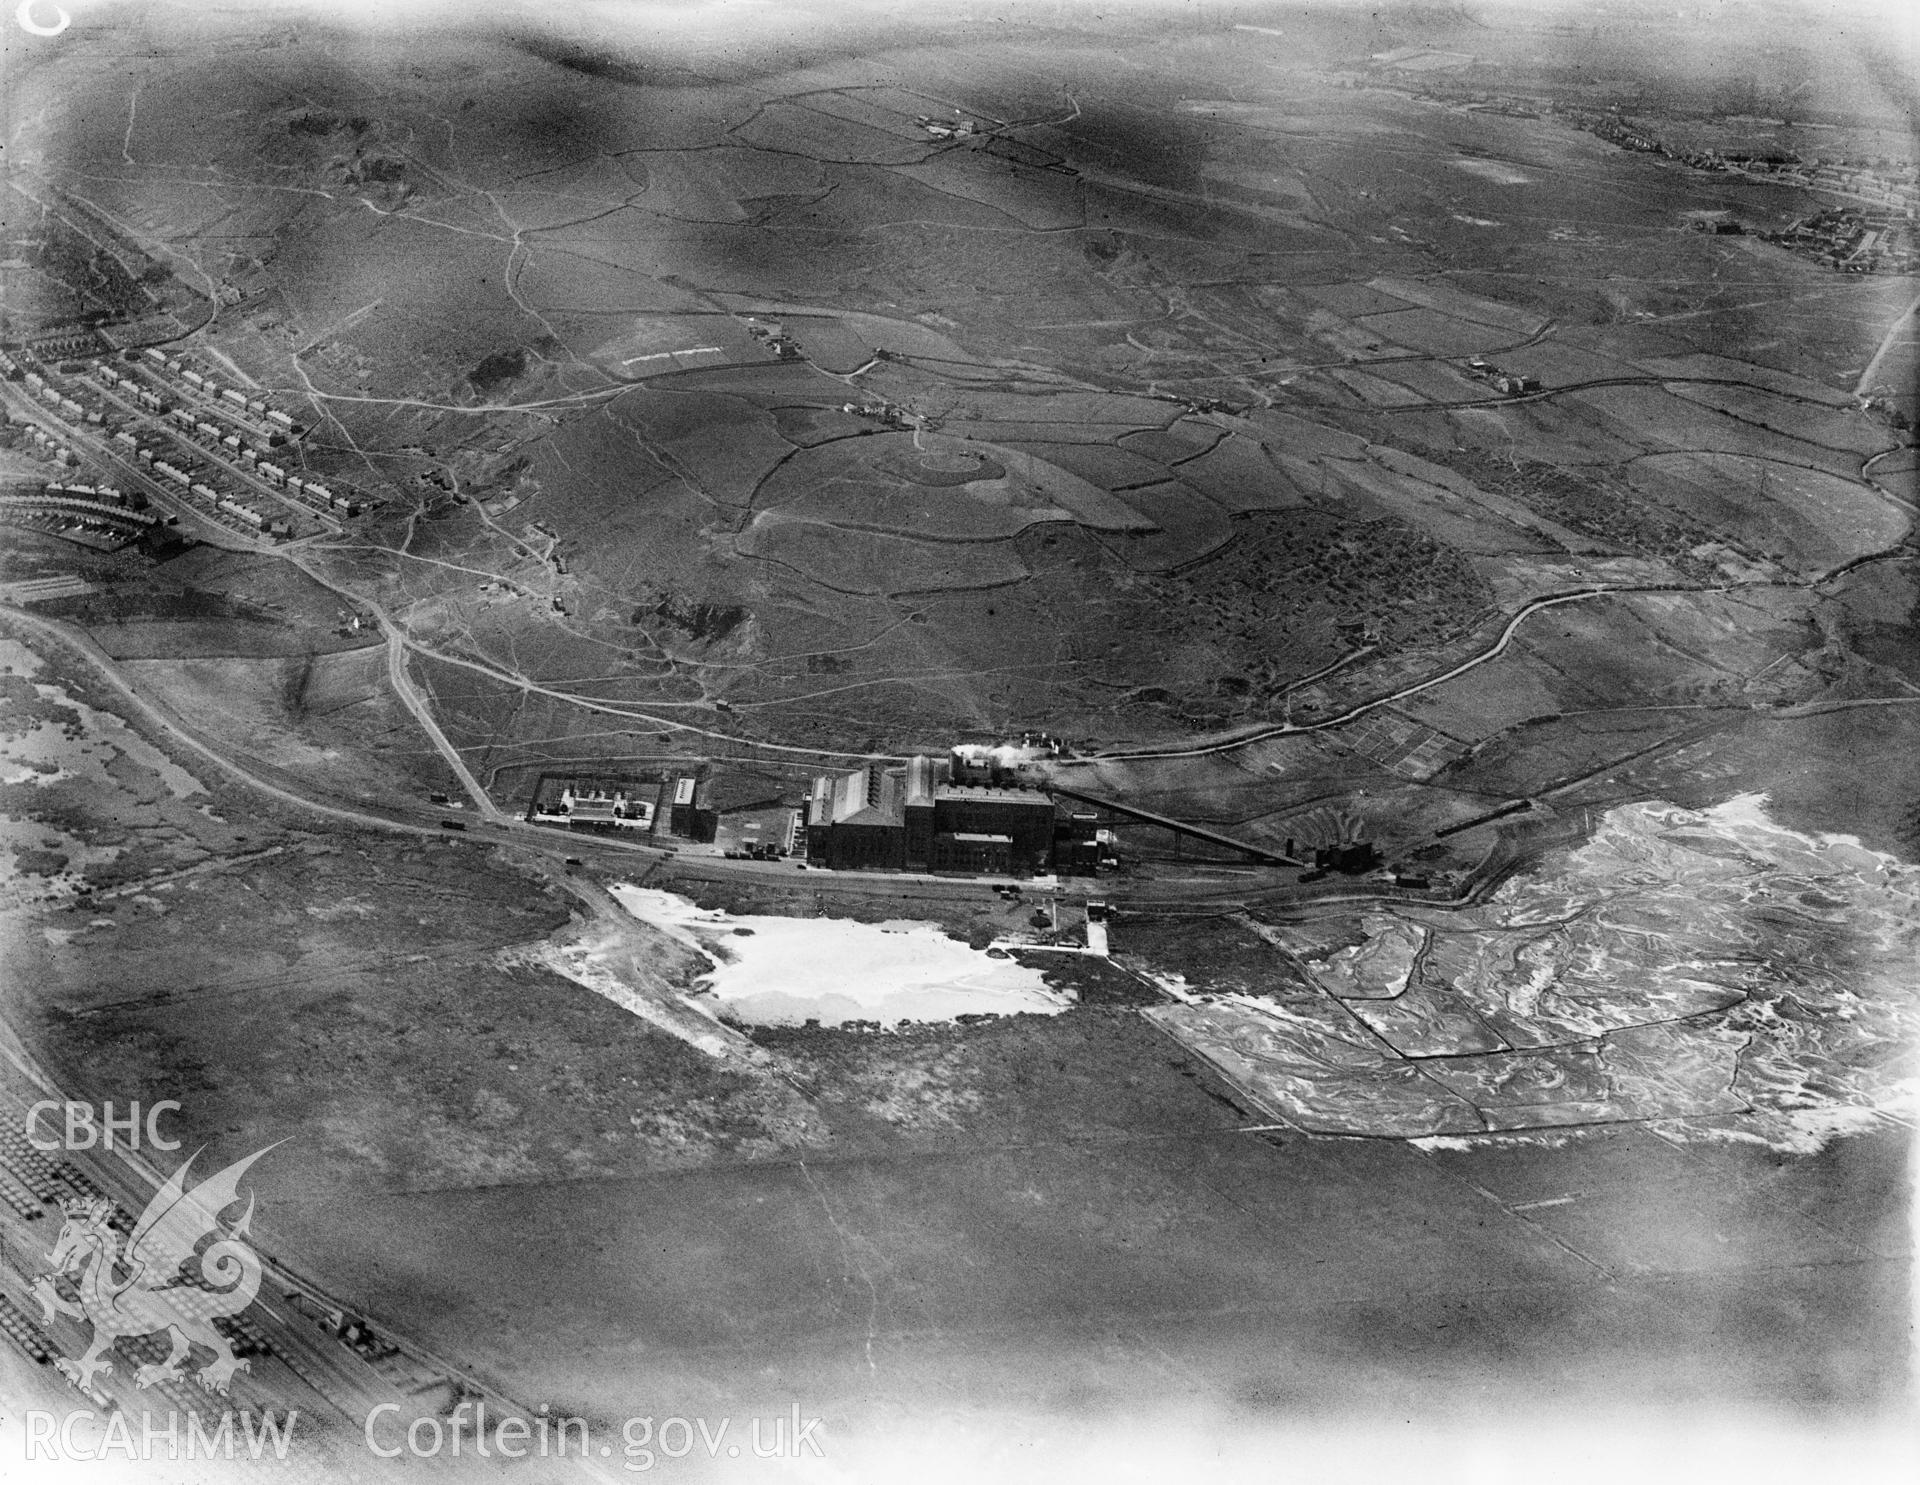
x: 852, y: 561
x: 1808, y: 517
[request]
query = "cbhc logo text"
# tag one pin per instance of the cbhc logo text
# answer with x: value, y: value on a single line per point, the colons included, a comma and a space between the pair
x: 83, y: 1132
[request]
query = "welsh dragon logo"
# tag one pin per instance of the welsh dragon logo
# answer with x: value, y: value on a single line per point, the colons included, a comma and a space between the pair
x: 164, y: 1281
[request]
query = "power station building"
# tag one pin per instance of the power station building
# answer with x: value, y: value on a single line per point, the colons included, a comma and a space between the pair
x: 858, y: 820
x: 907, y: 818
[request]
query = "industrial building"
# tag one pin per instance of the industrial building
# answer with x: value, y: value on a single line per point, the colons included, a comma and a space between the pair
x: 658, y: 806
x: 1023, y: 817
x: 692, y: 814
x: 1081, y: 845
x: 973, y: 853
x: 583, y: 805
x: 858, y: 820
x: 908, y: 818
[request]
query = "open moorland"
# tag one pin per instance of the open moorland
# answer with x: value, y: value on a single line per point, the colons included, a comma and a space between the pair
x: 1117, y: 415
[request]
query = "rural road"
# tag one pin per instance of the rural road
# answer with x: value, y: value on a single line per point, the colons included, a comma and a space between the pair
x: 80, y: 642
x: 514, y: 831
x: 1492, y: 652
x: 522, y: 684
x: 623, y: 857
x: 1647, y: 380
x: 403, y: 687
x: 611, y: 854
x: 1887, y: 343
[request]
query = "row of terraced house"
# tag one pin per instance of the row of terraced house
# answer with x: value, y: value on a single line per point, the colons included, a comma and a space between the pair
x: 240, y: 433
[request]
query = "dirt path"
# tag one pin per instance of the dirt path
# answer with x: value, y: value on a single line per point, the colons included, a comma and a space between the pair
x: 1887, y: 343
x: 403, y: 687
x: 1282, y: 729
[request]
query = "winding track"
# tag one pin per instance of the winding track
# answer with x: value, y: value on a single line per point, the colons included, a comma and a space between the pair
x: 399, y: 643
x: 1492, y: 652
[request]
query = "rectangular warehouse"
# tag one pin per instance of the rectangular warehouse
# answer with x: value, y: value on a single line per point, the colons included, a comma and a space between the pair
x: 878, y: 817
x: 858, y: 820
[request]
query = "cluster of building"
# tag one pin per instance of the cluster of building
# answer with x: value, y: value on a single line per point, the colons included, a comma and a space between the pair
x: 775, y: 339
x: 1609, y: 125
x: 586, y: 805
x: 62, y: 341
x: 256, y: 405
x: 944, y: 128
x: 1894, y: 186
x: 678, y: 805
x: 1618, y: 131
x: 1854, y: 240
x: 85, y: 512
x: 253, y: 448
x: 216, y: 447
x: 1349, y: 858
x: 41, y: 443
x: 972, y: 813
x: 1203, y: 405
x: 194, y: 481
x: 1891, y: 186
x: 890, y: 413
x: 59, y: 400
x: 1888, y: 408
x: 1508, y: 383
x: 90, y: 515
